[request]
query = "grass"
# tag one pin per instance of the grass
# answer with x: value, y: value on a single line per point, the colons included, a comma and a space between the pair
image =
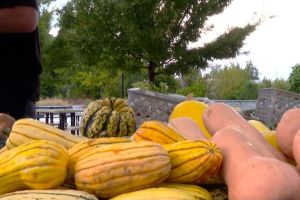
x: 62, y: 102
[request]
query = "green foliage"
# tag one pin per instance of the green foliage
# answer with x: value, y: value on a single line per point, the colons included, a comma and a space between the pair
x: 197, y: 88
x: 162, y: 88
x: 192, y: 82
x: 277, y: 83
x: 148, y: 34
x: 294, y: 79
x: 252, y: 70
x: 265, y: 83
x: 281, y: 84
x: 99, y: 41
x: 230, y: 83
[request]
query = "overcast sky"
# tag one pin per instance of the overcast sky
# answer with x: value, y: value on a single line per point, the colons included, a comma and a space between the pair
x: 273, y: 46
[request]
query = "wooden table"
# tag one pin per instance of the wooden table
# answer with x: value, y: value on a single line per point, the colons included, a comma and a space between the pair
x: 62, y: 113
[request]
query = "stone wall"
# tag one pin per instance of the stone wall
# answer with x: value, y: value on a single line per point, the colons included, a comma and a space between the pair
x: 272, y: 103
x: 149, y: 105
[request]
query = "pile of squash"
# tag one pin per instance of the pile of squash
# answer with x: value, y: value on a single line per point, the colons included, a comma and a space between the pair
x: 205, y: 152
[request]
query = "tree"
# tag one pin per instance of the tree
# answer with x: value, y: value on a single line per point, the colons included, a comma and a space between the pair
x: 294, y: 79
x: 281, y: 84
x: 230, y: 82
x: 149, y: 34
x: 252, y: 70
x: 265, y: 83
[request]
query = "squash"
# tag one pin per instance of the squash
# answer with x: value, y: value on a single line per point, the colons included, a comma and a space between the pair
x: 286, y: 129
x: 193, y: 109
x: 199, y: 192
x: 219, y: 115
x: 6, y: 123
x: 108, y: 117
x: 27, y: 129
x: 268, y: 134
x: 54, y: 194
x: 193, y: 161
x: 251, y: 175
x: 187, y: 127
x: 157, y: 131
x: 162, y: 193
x: 271, y: 138
x: 3, y: 149
x: 81, y: 149
x: 296, y: 148
x: 261, y: 127
x: 112, y: 169
x: 38, y: 164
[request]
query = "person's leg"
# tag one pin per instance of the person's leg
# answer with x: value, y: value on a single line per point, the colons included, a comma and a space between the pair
x: 30, y: 109
x: 19, y: 108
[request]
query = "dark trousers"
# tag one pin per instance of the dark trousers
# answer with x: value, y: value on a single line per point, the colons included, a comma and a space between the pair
x: 18, y: 108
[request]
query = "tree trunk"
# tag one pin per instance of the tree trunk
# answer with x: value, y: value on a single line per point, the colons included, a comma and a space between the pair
x: 151, y: 72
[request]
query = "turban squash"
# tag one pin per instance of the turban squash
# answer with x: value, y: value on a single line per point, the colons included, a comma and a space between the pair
x: 108, y: 117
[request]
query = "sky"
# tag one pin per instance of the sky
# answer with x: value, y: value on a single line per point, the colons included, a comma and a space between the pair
x: 272, y: 47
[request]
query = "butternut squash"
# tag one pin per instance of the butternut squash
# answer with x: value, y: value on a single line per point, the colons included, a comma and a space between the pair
x: 219, y: 115
x: 251, y: 175
x: 296, y: 148
x: 286, y: 129
x: 187, y: 127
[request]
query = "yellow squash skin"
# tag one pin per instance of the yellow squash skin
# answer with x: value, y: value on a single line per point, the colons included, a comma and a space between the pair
x: 110, y: 170
x: 269, y: 135
x: 81, y: 149
x: 196, y: 190
x: 157, y: 131
x: 3, y: 149
x: 26, y: 130
x: 38, y: 164
x: 261, y: 127
x: 159, y: 193
x: 193, y: 161
x: 193, y: 109
x: 54, y: 194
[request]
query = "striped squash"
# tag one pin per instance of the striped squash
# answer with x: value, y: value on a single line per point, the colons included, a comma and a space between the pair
x: 193, y: 161
x: 27, y: 129
x: 54, y: 194
x: 199, y: 192
x: 3, y: 149
x: 81, y: 149
x: 38, y: 164
x: 108, y: 117
x: 157, y: 131
x: 110, y: 170
x: 161, y: 193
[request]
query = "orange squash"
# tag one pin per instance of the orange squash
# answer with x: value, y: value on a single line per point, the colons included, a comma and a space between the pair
x: 286, y: 129
x: 251, y: 175
x: 219, y: 115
